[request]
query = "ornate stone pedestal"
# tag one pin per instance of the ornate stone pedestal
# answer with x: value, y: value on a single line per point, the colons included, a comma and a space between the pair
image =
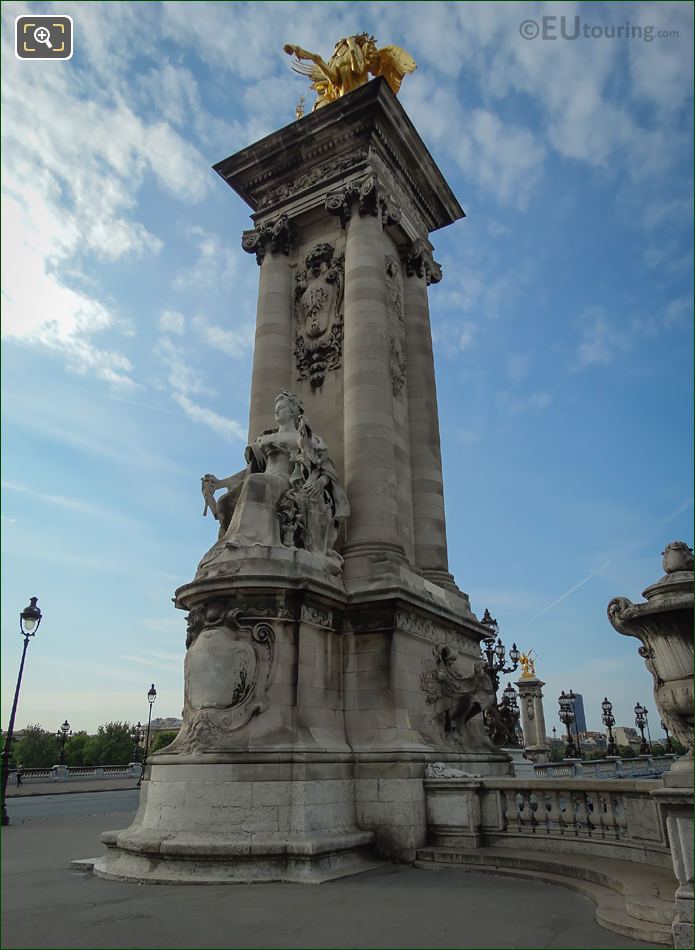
x: 532, y: 717
x: 331, y: 656
x: 664, y: 626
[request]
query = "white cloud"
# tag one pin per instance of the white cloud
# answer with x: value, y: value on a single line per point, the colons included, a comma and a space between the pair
x: 600, y: 341
x: 516, y: 403
x: 215, y: 264
x: 233, y: 342
x: 170, y: 321
x: 183, y: 382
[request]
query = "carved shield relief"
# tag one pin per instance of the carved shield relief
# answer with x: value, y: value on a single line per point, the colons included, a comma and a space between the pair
x: 227, y: 671
x: 318, y: 300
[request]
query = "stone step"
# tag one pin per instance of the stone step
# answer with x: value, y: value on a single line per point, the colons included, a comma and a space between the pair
x: 631, y: 899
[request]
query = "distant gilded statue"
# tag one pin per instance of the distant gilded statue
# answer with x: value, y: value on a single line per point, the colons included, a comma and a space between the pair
x: 354, y: 61
x: 288, y: 494
x: 528, y: 666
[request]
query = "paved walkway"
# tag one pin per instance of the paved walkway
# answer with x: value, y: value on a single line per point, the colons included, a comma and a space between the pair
x: 72, y: 785
x: 46, y: 905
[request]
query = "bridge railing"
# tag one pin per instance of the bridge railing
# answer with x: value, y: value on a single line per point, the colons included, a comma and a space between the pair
x: 645, y: 766
x: 612, y: 818
x: 64, y: 773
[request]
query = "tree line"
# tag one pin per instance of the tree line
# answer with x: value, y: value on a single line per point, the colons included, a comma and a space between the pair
x: 113, y: 744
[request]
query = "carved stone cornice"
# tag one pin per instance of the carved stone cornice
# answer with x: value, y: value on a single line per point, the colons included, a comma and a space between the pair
x: 419, y: 262
x: 278, y: 234
x: 369, y: 198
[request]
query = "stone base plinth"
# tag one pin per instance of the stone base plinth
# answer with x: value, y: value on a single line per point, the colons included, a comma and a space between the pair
x: 217, y: 823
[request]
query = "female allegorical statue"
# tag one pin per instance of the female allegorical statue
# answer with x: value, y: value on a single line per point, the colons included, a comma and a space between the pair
x: 287, y: 495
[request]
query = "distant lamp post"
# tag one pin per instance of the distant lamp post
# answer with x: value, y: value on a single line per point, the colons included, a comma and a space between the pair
x: 566, y: 716
x: 494, y: 654
x: 64, y: 735
x: 136, y: 734
x: 29, y: 621
x: 510, y: 704
x: 609, y: 722
x: 151, y: 696
x: 641, y: 723
x: 669, y: 745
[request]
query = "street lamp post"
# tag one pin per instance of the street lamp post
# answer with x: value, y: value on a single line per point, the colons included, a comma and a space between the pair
x: 29, y: 621
x: 609, y: 722
x: 641, y: 722
x: 136, y: 734
x: 669, y: 745
x: 494, y: 654
x: 151, y: 696
x: 64, y: 735
x: 576, y: 724
x: 566, y: 715
x: 510, y: 707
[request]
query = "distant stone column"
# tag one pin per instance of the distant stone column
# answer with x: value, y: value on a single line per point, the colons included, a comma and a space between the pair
x: 272, y: 355
x: 532, y: 717
x: 431, y: 555
x: 370, y: 438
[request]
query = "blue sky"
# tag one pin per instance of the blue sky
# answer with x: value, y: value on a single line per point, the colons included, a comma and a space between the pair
x: 563, y: 325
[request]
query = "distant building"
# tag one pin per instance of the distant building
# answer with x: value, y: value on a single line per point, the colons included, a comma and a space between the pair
x: 593, y: 740
x: 579, y: 715
x: 626, y: 735
x: 165, y: 725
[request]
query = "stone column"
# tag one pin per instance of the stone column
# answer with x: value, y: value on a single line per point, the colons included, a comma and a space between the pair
x: 370, y: 438
x: 532, y: 717
x: 272, y: 354
x: 428, y: 491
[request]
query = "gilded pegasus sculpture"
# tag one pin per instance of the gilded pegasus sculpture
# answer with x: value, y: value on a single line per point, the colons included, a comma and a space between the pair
x: 355, y: 60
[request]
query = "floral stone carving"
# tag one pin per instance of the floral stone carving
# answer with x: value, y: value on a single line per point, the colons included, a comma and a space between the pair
x: 227, y: 671
x: 288, y: 494
x: 318, y: 298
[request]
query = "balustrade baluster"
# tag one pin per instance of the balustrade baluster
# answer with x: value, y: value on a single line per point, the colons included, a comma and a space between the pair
x: 555, y: 824
x: 512, y: 817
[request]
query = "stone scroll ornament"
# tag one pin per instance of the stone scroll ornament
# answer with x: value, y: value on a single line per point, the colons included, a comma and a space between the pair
x: 227, y: 670
x: 318, y: 314
x: 287, y: 496
x: 276, y: 235
x: 664, y: 627
x: 369, y: 199
x: 456, y: 695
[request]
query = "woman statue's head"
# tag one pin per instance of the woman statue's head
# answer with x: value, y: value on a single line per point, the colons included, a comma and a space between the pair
x: 287, y: 407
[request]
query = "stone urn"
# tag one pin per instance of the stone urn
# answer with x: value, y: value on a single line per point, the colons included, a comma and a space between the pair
x: 664, y: 626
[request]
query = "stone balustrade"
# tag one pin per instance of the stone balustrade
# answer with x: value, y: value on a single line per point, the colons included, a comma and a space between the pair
x: 612, y: 818
x: 645, y: 766
x: 63, y: 773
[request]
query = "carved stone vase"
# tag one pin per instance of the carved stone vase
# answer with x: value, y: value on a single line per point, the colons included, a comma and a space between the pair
x: 664, y: 626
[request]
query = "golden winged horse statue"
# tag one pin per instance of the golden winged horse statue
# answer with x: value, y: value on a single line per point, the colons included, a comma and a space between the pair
x: 354, y: 61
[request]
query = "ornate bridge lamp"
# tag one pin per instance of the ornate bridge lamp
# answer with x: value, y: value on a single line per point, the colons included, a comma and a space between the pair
x: 609, y: 721
x: 29, y: 621
x: 494, y: 654
x: 64, y: 735
x: 137, y: 734
x: 151, y: 696
x: 669, y: 745
x: 511, y: 711
x: 641, y: 723
x: 566, y: 714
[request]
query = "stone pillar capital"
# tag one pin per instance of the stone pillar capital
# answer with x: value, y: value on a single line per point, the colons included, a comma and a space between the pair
x: 419, y: 262
x: 278, y: 234
x: 369, y: 198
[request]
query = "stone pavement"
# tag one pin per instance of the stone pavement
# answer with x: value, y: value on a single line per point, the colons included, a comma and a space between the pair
x: 77, y: 785
x: 46, y: 904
